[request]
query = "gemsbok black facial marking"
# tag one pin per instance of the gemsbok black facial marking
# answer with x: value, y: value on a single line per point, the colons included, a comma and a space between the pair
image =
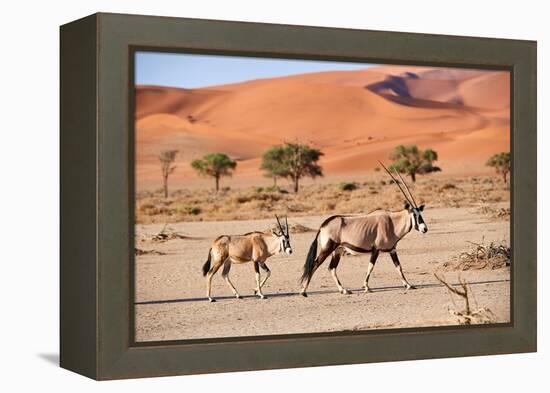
x: 416, y: 216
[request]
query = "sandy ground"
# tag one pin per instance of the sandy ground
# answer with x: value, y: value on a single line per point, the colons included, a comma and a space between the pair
x: 170, y: 289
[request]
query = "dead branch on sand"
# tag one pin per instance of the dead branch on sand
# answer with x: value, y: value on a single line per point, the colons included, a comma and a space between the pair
x: 139, y: 251
x: 295, y: 228
x: 165, y: 234
x: 467, y: 316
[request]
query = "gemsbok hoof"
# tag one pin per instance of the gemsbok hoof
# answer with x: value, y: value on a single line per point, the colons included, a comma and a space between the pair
x: 238, y: 296
x: 410, y: 287
x: 345, y: 292
x: 303, y: 294
x: 211, y: 300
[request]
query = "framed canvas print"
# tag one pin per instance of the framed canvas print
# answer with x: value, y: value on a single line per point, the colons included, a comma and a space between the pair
x: 241, y: 196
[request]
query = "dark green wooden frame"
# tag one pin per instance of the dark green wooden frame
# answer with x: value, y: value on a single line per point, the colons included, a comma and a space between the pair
x: 97, y: 196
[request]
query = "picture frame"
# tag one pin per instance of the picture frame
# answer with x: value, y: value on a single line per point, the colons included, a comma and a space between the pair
x: 97, y: 183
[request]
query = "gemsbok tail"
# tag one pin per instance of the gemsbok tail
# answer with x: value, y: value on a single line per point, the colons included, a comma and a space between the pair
x: 206, y: 266
x: 310, y: 260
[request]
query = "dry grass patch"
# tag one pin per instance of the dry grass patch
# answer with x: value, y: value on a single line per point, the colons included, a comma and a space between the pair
x: 482, y: 256
x: 495, y: 212
x: 314, y: 199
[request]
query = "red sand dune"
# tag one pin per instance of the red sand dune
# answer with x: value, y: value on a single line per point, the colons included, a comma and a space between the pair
x: 355, y: 117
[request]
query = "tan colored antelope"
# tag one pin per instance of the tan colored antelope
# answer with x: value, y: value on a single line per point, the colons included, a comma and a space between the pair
x: 378, y: 231
x: 253, y: 247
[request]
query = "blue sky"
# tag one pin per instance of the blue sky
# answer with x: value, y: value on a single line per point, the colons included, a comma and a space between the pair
x: 192, y: 71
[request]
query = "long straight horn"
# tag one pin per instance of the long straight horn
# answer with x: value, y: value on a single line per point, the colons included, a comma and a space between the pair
x: 397, y: 183
x: 407, y: 187
x: 279, y: 224
x: 286, y: 225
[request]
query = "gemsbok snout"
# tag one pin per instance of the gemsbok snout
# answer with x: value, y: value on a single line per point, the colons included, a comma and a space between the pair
x: 255, y: 247
x: 375, y: 232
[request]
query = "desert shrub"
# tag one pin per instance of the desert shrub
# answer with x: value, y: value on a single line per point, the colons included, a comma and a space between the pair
x: 195, y: 210
x: 276, y: 189
x: 298, y: 207
x: 348, y: 186
x: 151, y: 209
x: 146, y: 206
x: 447, y: 186
x: 258, y: 196
x: 495, y: 212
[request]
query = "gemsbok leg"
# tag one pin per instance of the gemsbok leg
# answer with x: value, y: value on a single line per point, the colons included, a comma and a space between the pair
x: 225, y: 275
x: 258, y: 290
x: 336, y: 255
x: 373, y: 256
x: 215, y: 266
x: 395, y: 260
x: 267, y: 273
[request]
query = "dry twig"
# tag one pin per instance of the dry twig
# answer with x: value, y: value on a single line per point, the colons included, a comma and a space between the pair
x: 166, y: 234
x: 467, y: 316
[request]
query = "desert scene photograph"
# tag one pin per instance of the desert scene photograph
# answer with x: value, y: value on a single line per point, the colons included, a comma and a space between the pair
x: 278, y: 196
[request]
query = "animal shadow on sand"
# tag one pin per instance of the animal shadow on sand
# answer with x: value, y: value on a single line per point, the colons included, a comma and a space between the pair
x: 314, y: 293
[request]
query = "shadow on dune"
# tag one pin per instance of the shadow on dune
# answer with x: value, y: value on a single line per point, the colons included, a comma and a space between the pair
x: 310, y: 293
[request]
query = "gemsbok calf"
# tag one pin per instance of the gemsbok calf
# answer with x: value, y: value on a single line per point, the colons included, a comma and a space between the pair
x: 375, y: 232
x: 253, y: 247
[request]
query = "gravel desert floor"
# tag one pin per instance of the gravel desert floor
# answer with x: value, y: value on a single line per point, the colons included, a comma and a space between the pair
x: 170, y: 299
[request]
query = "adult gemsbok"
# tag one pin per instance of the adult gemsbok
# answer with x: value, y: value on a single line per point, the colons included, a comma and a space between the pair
x: 253, y: 247
x: 375, y: 232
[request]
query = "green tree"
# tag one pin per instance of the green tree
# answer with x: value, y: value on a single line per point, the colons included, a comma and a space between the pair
x: 214, y: 165
x: 166, y: 158
x: 411, y: 161
x: 294, y: 161
x: 272, y: 163
x: 501, y: 163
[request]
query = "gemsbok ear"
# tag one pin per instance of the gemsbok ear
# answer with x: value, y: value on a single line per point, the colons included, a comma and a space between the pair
x: 421, y: 208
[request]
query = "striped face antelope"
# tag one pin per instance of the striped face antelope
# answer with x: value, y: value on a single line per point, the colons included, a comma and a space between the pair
x: 378, y: 231
x: 416, y: 218
x: 255, y: 247
x: 284, y: 237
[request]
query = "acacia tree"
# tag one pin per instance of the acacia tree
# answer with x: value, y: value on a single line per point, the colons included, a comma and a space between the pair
x: 294, y: 161
x: 272, y: 163
x: 166, y: 158
x: 501, y: 163
x: 411, y: 161
x: 214, y: 165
